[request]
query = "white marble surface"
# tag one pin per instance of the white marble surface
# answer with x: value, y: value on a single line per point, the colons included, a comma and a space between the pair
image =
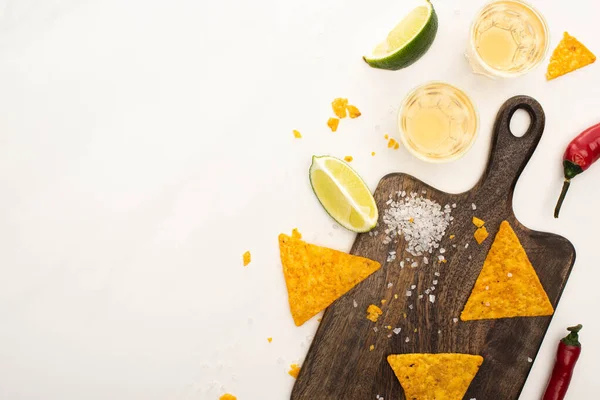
x: 145, y: 145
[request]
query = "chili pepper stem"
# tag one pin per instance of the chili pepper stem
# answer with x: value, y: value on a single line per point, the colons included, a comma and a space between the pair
x: 563, y: 193
x: 572, y: 339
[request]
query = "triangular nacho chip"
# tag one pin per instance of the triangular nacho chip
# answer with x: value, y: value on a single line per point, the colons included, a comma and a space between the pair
x: 435, y: 376
x: 568, y: 56
x: 316, y: 276
x: 507, y: 285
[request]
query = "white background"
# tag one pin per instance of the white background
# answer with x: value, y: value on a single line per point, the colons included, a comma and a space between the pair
x: 146, y: 144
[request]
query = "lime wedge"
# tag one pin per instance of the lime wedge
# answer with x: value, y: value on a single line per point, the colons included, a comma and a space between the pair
x: 408, y: 41
x: 343, y: 194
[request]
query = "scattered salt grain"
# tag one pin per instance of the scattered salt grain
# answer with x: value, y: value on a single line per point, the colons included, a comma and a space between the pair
x: 436, y: 273
x: 407, y: 340
x: 509, y: 275
x: 439, y: 331
x: 408, y: 293
x: 390, y: 284
x: 425, y: 260
x: 401, y: 264
x: 414, y: 265
x: 473, y: 206
x: 420, y: 296
x: 487, y: 288
x: 354, y: 303
x: 413, y: 287
x: 529, y: 359
x: 442, y: 250
x: 375, y: 329
x: 397, y: 330
x: 470, y: 257
x: 390, y: 201
x: 455, y: 320
x: 427, y: 291
x: 454, y: 205
x: 441, y: 258
x: 435, y: 282
x: 487, y: 304
x: 421, y: 221
x: 432, y: 298
x: 389, y: 335
x: 410, y: 306
x: 467, y: 246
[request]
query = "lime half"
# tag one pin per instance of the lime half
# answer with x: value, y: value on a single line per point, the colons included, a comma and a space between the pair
x: 343, y: 194
x: 408, y: 41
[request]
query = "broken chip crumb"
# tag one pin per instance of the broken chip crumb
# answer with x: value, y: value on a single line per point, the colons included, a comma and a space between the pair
x: 371, y: 347
x: 478, y: 222
x: 297, y: 134
x: 319, y: 319
x: 386, y: 136
x: 247, y: 258
x: 348, y: 158
x: 228, y: 396
x: 383, y: 301
x: 396, y: 296
x: 296, y: 234
x: 372, y: 153
x: 481, y: 234
x: 333, y: 123
x: 396, y: 146
x: 269, y: 339
x: 339, y: 107
x: 294, y: 371
x: 452, y: 237
x: 391, y: 143
x: 569, y: 55
x: 353, y: 112
x: 373, y: 313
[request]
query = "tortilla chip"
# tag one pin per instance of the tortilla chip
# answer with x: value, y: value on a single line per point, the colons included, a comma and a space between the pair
x: 441, y: 376
x: 507, y: 285
x: 481, y: 234
x: 228, y: 396
x: 317, y: 276
x: 478, y: 222
x: 568, y: 56
x: 294, y: 371
x: 247, y: 258
x: 373, y: 313
x: 353, y: 112
x: 333, y: 123
x: 339, y: 107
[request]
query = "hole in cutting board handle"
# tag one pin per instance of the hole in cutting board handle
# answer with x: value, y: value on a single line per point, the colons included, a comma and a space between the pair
x: 520, y: 122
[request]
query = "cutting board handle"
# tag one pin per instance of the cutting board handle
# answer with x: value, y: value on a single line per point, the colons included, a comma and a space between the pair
x: 509, y: 154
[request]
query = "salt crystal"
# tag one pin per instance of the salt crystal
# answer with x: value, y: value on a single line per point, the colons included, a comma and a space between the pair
x: 442, y: 250
x: 454, y: 205
x: 354, y: 303
x: 413, y: 287
x: 389, y: 335
x: 389, y: 285
x: 487, y: 304
x: 473, y: 206
x: 401, y: 264
x: 414, y: 265
x: 470, y: 257
x: 487, y: 288
x: 425, y: 260
x: 439, y: 331
x: 407, y: 340
x: 455, y: 320
x: 467, y: 246
x: 375, y: 329
x: 410, y: 306
x: 436, y: 273
x: 441, y: 258
x: 427, y: 291
x: 509, y: 275
x: 435, y: 282
x: 420, y: 296
x: 390, y: 201
x: 432, y: 298
x: 529, y: 359
x: 408, y: 293
x: 397, y: 330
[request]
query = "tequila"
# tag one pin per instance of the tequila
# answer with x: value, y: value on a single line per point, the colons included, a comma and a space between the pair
x: 438, y: 122
x: 508, y: 38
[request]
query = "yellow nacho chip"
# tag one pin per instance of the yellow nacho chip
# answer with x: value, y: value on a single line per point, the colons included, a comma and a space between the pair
x: 317, y: 276
x: 247, y: 258
x: 441, y: 376
x: 353, y: 112
x: 373, y: 313
x: 507, y: 285
x: 339, y: 107
x: 333, y: 123
x: 228, y: 396
x: 481, y: 234
x: 294, y: 371
x: 478, y: 222
x: 569, y: 55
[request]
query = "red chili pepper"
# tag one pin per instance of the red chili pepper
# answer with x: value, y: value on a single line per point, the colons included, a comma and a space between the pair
x: 581, y: 153
x: 567, y: 355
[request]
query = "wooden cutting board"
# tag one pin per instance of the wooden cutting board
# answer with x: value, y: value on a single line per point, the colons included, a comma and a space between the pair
x: 339, y: 365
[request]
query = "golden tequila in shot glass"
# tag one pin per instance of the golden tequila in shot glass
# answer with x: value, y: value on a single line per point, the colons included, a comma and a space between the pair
x: 438, y: 122
x: 508, y: 38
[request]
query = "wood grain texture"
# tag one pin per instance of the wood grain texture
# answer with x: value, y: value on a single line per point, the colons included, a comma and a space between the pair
x: 339, y: 364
